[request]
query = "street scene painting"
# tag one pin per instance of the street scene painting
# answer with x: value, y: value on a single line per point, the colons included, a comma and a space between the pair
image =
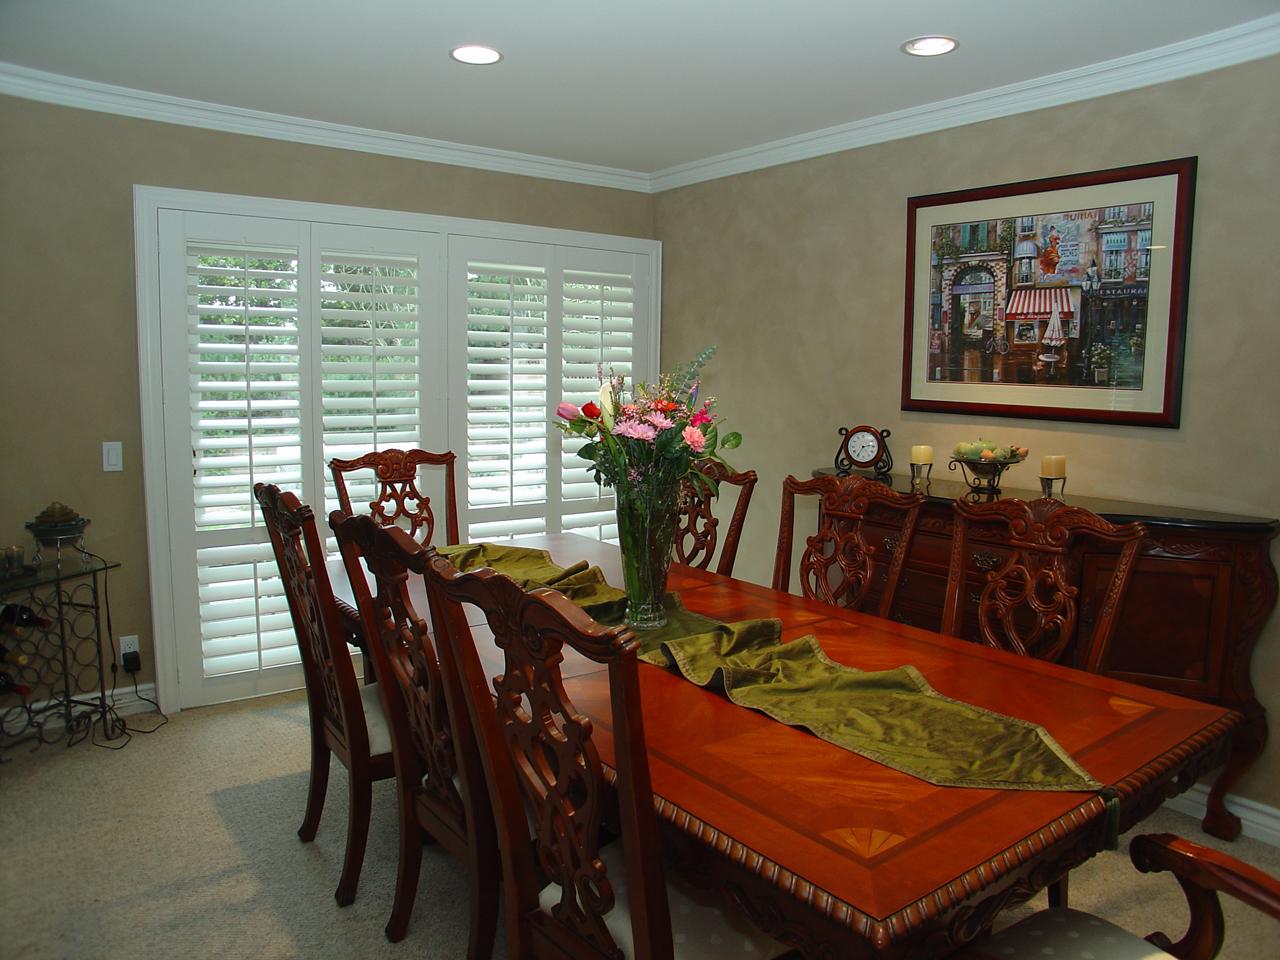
x: 1054, y: 299
x: 1062, y: 298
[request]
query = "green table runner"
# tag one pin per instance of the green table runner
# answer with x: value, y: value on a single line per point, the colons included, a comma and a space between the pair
x: 891, y: 716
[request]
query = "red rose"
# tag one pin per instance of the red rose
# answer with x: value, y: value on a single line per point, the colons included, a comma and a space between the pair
x: 591, y: 411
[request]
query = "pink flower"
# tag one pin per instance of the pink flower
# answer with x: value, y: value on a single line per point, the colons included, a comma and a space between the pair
x: 699, y: 418
x: 694, y: 438
x: 568, y: 411
x: 659, y: 420
x: 634, y: 429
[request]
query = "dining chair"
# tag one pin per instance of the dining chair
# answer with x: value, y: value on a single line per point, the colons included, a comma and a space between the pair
x: 838, y: 560
x: 1026, y: 603
x: 346, y: 718
x: 567, y: 894
x: 1203, y: 873
x: 431, y: 751
x: 399, y: 501
x: 697, y: 528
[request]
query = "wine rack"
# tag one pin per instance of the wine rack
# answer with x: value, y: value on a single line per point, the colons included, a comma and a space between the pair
x: 56, y: 690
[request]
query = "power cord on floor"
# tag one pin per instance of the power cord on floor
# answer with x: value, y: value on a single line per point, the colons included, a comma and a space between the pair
x: 116, y: 725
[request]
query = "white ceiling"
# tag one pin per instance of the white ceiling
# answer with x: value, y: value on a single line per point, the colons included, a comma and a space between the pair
x: 641, y: 86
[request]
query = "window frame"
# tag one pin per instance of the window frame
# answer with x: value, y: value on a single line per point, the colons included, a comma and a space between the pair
x: 149, y: 201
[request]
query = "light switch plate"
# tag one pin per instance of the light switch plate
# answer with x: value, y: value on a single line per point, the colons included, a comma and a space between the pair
x: 112, y: 456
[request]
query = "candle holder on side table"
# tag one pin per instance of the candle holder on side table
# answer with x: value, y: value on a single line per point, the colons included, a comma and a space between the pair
x: 1048, y: 486
x: 921, y: 474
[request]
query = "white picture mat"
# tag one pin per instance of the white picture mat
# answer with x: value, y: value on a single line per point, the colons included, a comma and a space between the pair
x: 1162, y: 191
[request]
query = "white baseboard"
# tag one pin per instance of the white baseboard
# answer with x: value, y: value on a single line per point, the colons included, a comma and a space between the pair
x: 1258, y: 820
x: 128, y: 703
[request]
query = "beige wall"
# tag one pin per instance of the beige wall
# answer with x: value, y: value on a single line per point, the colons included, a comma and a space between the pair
x: 796, y: 272
x: 68, y: 317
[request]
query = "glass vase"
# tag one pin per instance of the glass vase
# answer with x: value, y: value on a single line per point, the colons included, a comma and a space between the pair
x: 646, y: 532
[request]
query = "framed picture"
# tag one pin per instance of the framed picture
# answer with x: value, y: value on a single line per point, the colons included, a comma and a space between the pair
x: 1056, y: 299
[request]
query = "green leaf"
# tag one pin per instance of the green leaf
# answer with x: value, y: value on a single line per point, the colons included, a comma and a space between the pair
x: 731, y: 441
x: 705, y: 483
x: 588, y: 451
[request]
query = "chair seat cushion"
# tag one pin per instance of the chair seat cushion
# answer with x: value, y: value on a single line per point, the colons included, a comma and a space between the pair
x: 701, y: 929
x: 374, y: 720
x: 1062, y: 934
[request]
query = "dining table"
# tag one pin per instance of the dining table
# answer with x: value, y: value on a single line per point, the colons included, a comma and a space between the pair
x: 841, y: 856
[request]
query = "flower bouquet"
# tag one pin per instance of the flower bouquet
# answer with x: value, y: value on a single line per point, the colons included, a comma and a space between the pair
x: 643, y: 443
x: 982, y: 462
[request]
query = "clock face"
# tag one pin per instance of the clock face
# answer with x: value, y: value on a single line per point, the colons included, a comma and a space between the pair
x: 864, y: 447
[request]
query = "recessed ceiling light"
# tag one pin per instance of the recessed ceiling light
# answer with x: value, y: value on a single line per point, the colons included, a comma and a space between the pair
x: 475, y: 53
x: 929, y: 46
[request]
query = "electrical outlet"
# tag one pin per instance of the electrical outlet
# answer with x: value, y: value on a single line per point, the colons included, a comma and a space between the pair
x: 128, y: 644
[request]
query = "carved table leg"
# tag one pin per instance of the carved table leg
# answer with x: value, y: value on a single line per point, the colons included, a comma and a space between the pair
x: 1246, y: 744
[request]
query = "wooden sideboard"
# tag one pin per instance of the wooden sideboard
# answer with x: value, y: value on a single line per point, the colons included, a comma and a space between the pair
x: 1203, y: 587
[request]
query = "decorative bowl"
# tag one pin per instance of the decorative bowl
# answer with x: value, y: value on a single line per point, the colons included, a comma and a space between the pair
x: 982, y: 473
x: 51, y: 534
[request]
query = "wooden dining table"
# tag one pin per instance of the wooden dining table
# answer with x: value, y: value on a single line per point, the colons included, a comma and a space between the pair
x: 843, y: 857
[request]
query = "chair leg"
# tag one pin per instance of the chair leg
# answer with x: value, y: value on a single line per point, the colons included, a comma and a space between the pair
x: 357, y: 836
x: 1058, y: 892
x: 316, y: 789
x: 412, y: 837
x: 484, y: 895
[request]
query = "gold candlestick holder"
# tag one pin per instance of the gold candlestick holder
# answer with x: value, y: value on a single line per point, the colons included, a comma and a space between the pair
x: 921, y: 474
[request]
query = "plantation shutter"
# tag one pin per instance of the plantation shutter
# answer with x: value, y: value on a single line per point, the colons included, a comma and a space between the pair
x: 598, y: 337
x: 246, y: 427
x: 541, y: 322
x: 506, y: 397
x: 372, y: 343
x: 283, y: 343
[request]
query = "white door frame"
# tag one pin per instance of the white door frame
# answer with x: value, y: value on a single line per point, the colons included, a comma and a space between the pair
x: 148, y: 201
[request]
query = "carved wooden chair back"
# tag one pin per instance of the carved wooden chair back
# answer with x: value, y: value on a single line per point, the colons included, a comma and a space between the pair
x: 345, y: 720
x: 1028, y: 600
x: 333, y: 694
x: 838, y: 561
x: 544, y: 772
x: 436, y: 761
x: 399, y: 501
x: 697, y: 528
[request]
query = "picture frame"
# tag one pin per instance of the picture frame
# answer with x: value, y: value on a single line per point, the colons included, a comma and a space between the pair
x: 1063, y: 298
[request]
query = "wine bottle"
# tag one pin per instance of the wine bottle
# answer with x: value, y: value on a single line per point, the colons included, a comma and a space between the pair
x: 8, y: 684
x: 16, y: 616
x: 13, y: 656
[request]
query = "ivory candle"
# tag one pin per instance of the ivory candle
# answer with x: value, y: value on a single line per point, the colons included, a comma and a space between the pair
x: 1053, y: 466
x: 921, y: 454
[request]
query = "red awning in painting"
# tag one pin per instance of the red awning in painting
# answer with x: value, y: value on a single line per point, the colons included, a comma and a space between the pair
x: 1037, y: 303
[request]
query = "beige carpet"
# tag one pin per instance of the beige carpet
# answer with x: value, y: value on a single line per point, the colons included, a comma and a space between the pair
x: 183, y: 845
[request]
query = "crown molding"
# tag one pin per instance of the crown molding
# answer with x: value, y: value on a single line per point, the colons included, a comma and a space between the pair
x: 106, y: 98
x: 1212, y: 51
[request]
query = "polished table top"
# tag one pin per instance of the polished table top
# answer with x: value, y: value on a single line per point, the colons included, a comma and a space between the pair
x: 862, y: 858
x: 876, y: 844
